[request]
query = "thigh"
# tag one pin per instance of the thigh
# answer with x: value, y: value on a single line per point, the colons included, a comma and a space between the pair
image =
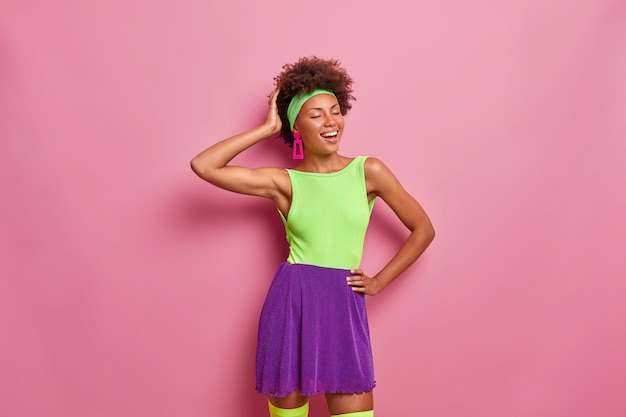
x: 292, y: 400
x: 350, y: 403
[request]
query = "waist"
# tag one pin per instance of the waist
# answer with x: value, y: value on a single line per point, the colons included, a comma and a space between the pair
x: 325, y: 260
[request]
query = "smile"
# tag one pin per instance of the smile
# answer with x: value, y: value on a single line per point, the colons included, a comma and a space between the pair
x: 330, y: 134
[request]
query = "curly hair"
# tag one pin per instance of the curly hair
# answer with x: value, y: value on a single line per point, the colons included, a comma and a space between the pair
x: 308, y: 74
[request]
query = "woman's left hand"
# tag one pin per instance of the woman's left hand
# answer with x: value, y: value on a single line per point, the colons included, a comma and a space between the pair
x: 362, y: 283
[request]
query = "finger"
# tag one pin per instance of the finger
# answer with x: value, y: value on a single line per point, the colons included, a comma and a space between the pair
x: 272, y: 96
x: 355, y: 281
x: 356, y: 271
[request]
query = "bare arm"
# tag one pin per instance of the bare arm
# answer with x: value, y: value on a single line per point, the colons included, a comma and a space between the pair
x: 381, y: 182
x: 212, y: 163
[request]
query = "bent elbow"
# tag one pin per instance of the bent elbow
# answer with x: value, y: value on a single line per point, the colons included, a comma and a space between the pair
x: 430, y: 234
x: 427, y: 233
x: 196, y: 167
x: 203, y: 170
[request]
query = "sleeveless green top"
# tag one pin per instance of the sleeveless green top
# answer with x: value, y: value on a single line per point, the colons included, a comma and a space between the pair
x: 328, y: 217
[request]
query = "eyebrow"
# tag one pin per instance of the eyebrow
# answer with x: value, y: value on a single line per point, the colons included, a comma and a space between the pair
x: 319, y: 108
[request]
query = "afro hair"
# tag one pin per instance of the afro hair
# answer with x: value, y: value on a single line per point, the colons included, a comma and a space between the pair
x: 308, y: 74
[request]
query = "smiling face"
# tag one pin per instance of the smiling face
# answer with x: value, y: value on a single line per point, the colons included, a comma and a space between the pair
x: 320, y: 124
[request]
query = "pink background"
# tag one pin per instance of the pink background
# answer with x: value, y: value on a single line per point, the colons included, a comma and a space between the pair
x: 129, y: 287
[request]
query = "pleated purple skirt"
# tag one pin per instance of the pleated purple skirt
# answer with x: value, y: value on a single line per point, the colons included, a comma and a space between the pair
x: 313, y: 334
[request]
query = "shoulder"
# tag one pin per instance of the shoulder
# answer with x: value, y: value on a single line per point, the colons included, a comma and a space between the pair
x: 379, y: 178
x: 374, y: 167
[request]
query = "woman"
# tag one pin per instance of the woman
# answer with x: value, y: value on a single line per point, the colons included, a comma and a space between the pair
x: 313, y: 333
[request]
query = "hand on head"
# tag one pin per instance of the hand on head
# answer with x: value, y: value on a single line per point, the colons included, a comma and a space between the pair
x: 272, y: 120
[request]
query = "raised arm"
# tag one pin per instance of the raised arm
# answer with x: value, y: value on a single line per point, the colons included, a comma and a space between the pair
x: 212, y: 163
x: 381, y: 182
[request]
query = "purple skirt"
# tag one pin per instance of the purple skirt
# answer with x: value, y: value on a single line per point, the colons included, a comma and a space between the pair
x: 313, y: 334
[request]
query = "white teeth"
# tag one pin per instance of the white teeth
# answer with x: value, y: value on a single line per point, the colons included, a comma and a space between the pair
x: 330, y: 134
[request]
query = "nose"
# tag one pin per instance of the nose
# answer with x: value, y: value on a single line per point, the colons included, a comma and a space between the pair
x: 329, y: 120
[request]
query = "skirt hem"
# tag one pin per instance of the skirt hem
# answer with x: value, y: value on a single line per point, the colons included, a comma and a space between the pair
x: 312, y: 393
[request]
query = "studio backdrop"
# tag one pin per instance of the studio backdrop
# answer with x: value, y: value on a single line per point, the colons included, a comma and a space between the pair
x: 129, y: 287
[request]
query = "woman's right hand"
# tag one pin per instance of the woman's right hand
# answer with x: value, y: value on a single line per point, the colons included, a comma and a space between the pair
x: 272, y: 120
x: 212, y: 164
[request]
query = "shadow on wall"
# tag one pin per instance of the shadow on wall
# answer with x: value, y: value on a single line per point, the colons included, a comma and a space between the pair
x: 229, y: 226
x: 200, y: 209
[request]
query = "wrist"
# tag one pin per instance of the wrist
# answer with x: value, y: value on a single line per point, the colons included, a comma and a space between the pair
x: 268, y: 129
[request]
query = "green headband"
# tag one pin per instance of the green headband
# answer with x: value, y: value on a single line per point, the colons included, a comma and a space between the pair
x: 298, y: 101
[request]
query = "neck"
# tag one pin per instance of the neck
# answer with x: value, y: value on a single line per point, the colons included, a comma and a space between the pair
x: 323, y: 163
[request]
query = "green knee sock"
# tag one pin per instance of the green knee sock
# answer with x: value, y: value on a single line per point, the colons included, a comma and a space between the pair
x: 288, y: 412
x: 368, y: 413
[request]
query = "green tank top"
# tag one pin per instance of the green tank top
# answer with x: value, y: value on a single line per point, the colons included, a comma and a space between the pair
x: 328, y: 217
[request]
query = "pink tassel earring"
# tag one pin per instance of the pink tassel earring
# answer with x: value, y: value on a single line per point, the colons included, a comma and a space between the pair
x: 298, y: 152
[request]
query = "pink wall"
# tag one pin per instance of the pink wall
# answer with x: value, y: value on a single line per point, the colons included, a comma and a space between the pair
x: 129, y: 287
